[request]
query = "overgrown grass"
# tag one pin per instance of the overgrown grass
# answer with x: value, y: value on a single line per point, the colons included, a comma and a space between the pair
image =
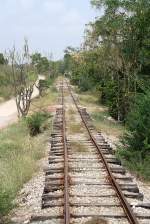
x: 19, y: 153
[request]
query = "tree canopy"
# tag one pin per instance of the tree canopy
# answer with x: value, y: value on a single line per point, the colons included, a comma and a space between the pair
x: 115, y: 54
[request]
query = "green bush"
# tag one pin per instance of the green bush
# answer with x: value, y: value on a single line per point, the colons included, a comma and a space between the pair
x: 136, y: 141
x: 138, y: 124
x: 135, y: 162
x: 37, y: 122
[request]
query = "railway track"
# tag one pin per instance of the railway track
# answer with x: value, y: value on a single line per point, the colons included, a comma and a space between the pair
x: 84, y: 182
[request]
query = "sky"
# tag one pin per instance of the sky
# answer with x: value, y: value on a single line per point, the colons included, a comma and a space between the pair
x: 49, y: 25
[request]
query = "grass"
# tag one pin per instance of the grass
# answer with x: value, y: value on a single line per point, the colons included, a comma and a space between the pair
x: 103, y: 122
x: 19, y: 153
x: 48, y: 99
x: 78, y: 146
x: 88, y: 98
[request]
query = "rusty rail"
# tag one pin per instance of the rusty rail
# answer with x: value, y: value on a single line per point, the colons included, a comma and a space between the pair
x: 66, y: 181
x: 125, y: 205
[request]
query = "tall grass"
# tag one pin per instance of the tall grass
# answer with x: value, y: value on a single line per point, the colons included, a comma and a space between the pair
x: 19, y: 153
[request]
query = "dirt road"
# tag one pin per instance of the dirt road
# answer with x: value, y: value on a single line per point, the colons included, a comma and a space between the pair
x: 8, y: 109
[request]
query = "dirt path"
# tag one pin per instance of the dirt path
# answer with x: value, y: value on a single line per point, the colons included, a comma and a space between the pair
x: 8, y: 109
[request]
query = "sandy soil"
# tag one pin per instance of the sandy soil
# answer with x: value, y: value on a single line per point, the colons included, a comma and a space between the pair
x: 8, y: 109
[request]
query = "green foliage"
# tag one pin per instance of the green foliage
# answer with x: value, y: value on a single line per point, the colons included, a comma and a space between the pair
x: 37, y: 122
x: 138, y: 124
x: 41, y: 63
x: 135, y: 162
x: 44, y: 85
x: 135, y: 149
x: 56, y: 68
x: 115, y: 56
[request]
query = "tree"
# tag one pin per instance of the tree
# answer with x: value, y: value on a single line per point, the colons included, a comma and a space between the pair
x: 23, y: 78
x: 40, y: 63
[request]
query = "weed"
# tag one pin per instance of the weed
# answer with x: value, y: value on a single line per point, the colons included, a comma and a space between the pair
x: 37, y: 122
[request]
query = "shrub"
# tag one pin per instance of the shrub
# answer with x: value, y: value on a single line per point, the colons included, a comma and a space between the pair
x: 136, y: 141
x: 138, y: 124
x: 37, y: 122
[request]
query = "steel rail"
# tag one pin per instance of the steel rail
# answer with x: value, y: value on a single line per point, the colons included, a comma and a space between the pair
x: 124, y: 203
x: 66, y: 181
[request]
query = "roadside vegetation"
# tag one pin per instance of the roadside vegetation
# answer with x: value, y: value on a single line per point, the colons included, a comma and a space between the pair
x: 135, y: 150
x: 18, y: 161
x: 114, y: 63
x: 23, y: 144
